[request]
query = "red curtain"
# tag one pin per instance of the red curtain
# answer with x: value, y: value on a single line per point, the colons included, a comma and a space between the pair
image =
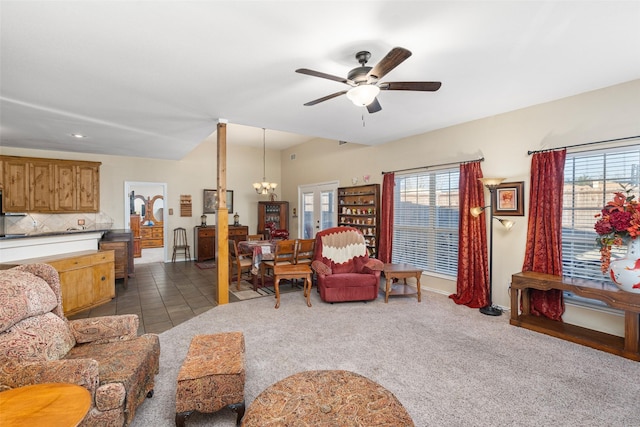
x: 472, y: 287
x: 385, y: 245
x: 544, y: 235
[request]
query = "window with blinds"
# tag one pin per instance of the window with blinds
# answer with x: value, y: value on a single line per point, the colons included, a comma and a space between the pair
x: 426, y: 212
x: 590, y: 179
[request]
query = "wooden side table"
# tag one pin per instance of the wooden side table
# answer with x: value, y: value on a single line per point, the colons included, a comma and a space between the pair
x: 50, y: 404
x: 401, y: 271
x: 290, y: 272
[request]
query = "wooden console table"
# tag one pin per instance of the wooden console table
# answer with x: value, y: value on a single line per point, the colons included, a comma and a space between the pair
x: 627, y: 346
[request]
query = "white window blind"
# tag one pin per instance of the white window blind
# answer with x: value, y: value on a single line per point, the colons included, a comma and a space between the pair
x: 425, y: 228
x: 590, y: 179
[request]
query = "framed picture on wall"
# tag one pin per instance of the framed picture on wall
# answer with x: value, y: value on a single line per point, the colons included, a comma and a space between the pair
x: 508, y: 199
x: 210, y: 201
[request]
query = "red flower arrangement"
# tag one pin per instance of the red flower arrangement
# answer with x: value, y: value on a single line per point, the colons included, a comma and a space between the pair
x: 619, y: 222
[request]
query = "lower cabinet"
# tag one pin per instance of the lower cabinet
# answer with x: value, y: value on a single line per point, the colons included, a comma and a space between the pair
x: 87, y: 278
x: 121, y: 257
x: 205, y: 243
x: 152, y: 236
x: 205, y: 240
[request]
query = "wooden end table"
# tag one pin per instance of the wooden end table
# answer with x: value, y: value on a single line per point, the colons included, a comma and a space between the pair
x: 290, y: 272
x: 401, y: 271
x: 50, y: 404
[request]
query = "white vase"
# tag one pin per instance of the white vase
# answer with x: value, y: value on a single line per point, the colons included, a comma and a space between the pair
x: 625, y: 272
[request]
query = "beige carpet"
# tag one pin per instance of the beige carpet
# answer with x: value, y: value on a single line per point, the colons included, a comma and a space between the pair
x: 448, y: 365
x: 246, y: 290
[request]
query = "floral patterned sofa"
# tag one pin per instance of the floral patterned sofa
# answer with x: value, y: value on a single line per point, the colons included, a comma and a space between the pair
x: 104, y: 354
x: 343, y: 267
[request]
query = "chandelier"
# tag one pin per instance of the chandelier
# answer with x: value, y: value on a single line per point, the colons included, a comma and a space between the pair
x: 264, y: 187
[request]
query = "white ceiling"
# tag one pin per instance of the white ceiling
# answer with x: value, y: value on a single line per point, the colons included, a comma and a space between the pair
x: 152, y: 78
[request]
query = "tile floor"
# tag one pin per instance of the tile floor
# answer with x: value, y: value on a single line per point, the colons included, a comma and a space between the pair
x: 163, y: 295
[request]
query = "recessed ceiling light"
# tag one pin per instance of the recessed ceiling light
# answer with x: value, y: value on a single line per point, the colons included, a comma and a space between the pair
x: 78, y: 135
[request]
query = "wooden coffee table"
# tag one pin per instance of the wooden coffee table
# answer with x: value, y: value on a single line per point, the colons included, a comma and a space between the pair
x: 50, y: 404
x: 401, y: 271
x: 326, y: 398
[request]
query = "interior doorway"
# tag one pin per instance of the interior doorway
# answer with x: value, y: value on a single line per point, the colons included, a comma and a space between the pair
x: 317, y: 205
x: 156, y: 193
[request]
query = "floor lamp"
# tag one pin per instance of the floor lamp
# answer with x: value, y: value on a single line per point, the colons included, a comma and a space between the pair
x: 492, y: 185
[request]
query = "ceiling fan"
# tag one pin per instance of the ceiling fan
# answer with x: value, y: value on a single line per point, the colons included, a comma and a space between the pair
x: 364, y: 81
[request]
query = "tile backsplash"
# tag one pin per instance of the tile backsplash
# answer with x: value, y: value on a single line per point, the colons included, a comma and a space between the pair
x: 46, y: 223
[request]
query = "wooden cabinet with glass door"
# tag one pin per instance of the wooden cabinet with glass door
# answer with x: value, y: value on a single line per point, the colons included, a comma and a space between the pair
x: 359, y: 207
x: 276, y: 212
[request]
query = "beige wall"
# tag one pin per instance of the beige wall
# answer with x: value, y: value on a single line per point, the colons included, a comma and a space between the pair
x: 190, y: 175
x: 502, y: 140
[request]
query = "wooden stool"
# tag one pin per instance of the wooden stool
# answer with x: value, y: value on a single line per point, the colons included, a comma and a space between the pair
x: 292, y: 271
x: 212, y: 376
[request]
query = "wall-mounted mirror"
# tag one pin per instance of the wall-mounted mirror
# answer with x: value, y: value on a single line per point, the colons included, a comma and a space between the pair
x: 140, y: 206
x: 156, y: 209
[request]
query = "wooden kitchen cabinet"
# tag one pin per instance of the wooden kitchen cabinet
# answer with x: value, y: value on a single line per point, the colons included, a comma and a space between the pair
x: 88, y: 187
x: 15, y: 195
x: 121, y: 242
x: 87, y: 278
x: 41, y: 186
x: 32, y: 184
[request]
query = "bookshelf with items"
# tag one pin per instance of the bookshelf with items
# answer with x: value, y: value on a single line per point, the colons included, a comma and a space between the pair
x: 359, y: 207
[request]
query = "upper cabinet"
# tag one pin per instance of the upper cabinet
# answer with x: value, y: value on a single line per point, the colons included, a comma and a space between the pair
x: 15, y: 194
x: 50, y: 185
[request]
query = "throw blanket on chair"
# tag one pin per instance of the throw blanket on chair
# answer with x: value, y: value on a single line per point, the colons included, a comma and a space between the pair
x: 342, y: 247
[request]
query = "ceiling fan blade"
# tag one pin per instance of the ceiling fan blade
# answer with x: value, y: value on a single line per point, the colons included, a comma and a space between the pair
x: 324, y: 76
x: 374, y: 107
x: 325, y: 98
x: 394, y: 58
x: 422, y: 86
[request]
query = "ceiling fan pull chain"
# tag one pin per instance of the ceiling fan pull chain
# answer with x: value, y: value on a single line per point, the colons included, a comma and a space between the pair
x: 363, y: 123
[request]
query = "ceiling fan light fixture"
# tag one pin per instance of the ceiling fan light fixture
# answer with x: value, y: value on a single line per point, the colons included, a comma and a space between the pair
x: 363, y: 95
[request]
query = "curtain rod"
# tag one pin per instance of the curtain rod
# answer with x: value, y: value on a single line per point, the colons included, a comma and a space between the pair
x: 433, y: 166
x: 583, y: 144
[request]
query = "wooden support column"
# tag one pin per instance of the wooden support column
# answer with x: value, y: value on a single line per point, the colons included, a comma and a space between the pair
x: 222, y: 217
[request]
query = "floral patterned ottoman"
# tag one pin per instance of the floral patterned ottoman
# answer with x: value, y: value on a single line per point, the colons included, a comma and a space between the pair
x: 212, y: 376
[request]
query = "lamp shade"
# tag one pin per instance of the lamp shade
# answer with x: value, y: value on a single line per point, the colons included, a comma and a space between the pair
x: 363, y: 95
x: 491, y: 182
x: 506, y: 223
x: 476, y: 211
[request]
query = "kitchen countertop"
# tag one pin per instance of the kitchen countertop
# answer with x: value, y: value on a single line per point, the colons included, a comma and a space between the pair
x: 10, y: 236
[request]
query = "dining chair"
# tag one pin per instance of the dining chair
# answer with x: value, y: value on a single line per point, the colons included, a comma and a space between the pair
x: 304, y: 251
x: 254, y: 237
x: 241, y: 260
x: 284, y: 254
x: 180, y: 243
x: 304, y: 254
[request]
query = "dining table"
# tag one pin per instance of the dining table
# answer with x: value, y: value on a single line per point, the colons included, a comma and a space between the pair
x: 260, y: 250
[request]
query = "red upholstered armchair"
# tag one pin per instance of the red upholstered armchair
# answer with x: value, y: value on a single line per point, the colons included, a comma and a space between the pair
x: 345, y: 271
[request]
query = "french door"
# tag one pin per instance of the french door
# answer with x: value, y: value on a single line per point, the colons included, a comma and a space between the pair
x: 317, y: 205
